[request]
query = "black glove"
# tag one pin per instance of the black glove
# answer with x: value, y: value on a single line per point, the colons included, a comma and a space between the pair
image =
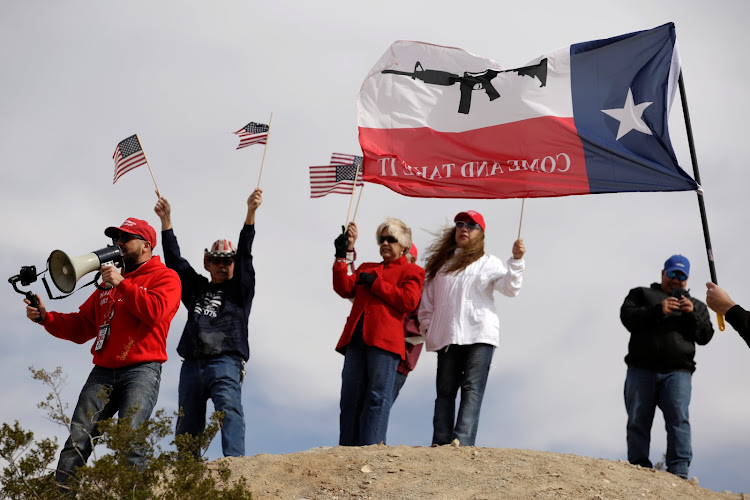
x: 366, y: 279
x: 341, y: 243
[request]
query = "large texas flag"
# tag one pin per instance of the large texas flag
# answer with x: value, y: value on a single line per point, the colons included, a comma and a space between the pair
x: 590, y: 118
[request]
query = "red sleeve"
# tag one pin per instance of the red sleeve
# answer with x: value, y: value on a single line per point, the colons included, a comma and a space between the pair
x: 404, y: 297
x: 79, y: 327
x: 343, y: 283
x: 154, y: 303
x: 411, y: 324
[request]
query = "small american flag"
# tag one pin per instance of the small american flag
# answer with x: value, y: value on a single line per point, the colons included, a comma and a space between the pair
x: 342, y: 159
x: 252, y: 133
x: 335, y: 178
x: 128, y: 155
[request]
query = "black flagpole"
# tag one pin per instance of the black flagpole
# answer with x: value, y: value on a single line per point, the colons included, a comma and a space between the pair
x: 701, y: 204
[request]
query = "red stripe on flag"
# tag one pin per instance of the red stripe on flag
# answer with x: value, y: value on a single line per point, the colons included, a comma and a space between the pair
x: 341, y: 159
x: 249, y: 141
x: 123, y: 166
x: 530, y: 158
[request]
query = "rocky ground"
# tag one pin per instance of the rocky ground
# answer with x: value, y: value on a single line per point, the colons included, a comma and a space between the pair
x: 446, y: 472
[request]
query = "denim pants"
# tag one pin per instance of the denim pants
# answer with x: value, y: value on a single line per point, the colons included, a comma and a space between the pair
x: 397, y: 385
x: 219, y: 379
x: 366, y: 392
x: 465, y: 367
x: 644, y: 391
x: 134, y: 390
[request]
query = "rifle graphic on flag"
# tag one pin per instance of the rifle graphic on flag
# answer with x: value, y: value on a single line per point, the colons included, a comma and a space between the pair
x: 481, y: 80
x: 597, y: 124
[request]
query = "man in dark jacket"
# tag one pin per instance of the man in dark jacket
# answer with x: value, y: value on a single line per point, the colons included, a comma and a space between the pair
x: 664, y: 323
x: 214, y: 343
x: 719, y: 300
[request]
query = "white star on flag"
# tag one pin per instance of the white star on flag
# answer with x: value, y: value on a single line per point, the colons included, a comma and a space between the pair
x: 630, y: 116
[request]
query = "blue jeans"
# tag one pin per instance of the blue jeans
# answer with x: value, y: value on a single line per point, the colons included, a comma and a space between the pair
x: 366, y: 392
x: 466, y: 367
x: 134, y: 390
x: 219, y: 379
x: 644, y: 391
x: 397, y: 385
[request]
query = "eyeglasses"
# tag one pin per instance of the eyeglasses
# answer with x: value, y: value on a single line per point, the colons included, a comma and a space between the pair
x: 676, y: 274
x: 390, y: 239
x: 221, y: 261
x: 125, y: 237
x: 468, y: 225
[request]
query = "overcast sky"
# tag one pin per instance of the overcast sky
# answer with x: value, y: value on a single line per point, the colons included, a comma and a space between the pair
x: 78, y: 77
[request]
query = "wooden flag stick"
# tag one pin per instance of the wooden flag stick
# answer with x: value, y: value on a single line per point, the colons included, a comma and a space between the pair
x: 158, y: 194
x: 523, y: 202
x: 356, y: 174
x: 358, y: 199
x: 268, y: 138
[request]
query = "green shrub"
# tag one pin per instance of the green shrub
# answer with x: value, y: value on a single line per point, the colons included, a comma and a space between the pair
x: 178, y: 473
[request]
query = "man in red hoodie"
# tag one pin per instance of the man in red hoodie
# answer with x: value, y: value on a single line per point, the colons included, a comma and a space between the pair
x: 129, y: 321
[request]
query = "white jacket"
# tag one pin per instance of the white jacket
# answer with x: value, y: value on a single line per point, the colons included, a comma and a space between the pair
x: 459, y: 308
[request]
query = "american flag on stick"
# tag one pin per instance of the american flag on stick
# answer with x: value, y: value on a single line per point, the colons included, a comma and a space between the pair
x: 342, y: 159
x: 252, y: 133
x: 335, y: 178
x: 128, y: 155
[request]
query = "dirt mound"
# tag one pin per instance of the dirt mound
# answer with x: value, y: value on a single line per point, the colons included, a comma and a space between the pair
x: 446, y: 472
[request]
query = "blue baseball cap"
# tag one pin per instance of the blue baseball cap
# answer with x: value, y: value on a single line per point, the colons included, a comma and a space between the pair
x: 677, y: 263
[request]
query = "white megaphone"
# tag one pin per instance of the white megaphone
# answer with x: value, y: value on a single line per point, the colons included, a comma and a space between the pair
x: 65, y: 271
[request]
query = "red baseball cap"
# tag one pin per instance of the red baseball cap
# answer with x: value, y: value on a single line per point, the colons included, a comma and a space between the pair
x: 473, y: 216
x: 134, y: 226
x: 413, y: 251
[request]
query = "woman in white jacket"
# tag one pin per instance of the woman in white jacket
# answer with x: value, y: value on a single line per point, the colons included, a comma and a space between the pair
x: 458, y: 320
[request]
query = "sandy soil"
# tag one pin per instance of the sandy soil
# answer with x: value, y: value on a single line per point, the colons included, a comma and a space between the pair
x: 446, y: 472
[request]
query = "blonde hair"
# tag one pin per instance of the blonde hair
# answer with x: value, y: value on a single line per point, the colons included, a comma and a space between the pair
x: 398, y: 230
x: 442, y: 256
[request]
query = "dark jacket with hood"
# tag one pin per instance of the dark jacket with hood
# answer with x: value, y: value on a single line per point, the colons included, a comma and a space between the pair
x: 659, y: 342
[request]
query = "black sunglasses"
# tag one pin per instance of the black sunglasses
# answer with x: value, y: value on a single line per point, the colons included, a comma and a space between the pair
x: 468, y: 225
x: 221, y: 261
x: 676, y: 274
x: 125, y: 237
x: 389, y: 239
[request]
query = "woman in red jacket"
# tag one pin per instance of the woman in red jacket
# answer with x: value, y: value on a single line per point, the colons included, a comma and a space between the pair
x: 373, y: 338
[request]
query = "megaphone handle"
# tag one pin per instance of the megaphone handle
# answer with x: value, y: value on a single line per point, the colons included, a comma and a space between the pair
x: 33, y: 302
x: 112, y: 264
x: 96, y: 281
